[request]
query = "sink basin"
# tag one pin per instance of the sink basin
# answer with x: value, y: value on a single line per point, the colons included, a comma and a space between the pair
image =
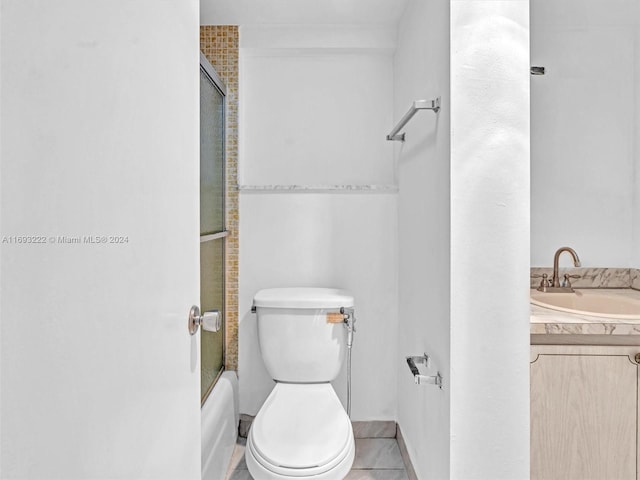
x: 596, y: 304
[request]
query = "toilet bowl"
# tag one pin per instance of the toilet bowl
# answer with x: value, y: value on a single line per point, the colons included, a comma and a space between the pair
x: 302, y: 430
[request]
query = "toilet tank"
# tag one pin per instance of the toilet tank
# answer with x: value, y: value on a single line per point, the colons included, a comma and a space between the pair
x: 298, y: 341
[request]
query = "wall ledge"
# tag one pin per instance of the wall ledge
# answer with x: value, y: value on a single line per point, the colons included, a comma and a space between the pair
x: 318, y: 188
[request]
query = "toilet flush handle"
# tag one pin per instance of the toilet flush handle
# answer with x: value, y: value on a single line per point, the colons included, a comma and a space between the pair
x: 211, y: 321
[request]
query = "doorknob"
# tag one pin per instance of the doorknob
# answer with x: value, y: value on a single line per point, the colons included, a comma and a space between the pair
x: 210, y: 321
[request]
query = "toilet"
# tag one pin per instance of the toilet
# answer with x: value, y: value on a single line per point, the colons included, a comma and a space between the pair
x: 302, y: 430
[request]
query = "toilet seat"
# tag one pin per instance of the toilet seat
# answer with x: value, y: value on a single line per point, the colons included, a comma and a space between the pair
x: 301, y: 431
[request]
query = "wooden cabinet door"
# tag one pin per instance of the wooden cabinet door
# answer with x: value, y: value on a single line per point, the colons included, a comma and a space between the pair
x: 584, y: 413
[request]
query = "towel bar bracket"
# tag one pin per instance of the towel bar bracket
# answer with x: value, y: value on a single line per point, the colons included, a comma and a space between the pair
x: 415, y: 106
x: 427, y: 105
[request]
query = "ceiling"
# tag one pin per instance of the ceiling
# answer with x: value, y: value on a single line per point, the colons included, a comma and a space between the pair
x: 301, y: 12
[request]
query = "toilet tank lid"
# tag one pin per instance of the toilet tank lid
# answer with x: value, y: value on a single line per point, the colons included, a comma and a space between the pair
x: 303, y: 297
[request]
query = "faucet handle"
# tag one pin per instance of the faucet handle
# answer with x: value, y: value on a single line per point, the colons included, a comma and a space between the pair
x: 567, y: 281
x: 544, y: 283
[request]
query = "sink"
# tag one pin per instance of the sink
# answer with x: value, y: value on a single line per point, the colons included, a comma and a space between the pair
x: 596, y: 304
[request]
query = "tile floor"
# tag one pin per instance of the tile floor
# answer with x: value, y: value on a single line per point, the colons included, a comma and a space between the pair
x: 376, y: 459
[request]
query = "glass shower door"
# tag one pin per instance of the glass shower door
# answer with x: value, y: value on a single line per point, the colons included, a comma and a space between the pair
x: 212, y: 220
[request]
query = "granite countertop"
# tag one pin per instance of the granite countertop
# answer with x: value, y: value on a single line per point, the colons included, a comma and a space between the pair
x: 545, y: 321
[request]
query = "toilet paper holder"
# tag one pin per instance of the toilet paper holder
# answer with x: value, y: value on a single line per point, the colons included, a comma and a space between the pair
x: 419, y: 378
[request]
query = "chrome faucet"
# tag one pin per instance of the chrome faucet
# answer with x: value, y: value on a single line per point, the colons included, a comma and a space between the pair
x: 553, y: 285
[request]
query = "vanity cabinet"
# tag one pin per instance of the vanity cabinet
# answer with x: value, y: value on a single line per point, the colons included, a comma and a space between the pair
x: 584, y: 412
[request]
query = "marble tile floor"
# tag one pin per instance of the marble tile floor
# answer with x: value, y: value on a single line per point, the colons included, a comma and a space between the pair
x: 376, y: 459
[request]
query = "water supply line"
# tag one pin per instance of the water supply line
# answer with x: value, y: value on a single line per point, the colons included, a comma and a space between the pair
x: 349, y: 319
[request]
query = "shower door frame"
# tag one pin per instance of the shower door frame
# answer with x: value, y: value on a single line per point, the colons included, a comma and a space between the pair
x: 209, y: 71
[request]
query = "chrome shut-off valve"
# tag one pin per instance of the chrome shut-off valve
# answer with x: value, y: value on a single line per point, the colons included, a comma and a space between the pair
x: 349, y: 319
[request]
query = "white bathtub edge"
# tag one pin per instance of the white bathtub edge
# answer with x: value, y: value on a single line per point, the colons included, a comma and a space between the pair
x: 220, y: 418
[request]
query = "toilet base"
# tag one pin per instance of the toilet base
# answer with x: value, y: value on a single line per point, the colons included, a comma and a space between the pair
x: 260, y: 472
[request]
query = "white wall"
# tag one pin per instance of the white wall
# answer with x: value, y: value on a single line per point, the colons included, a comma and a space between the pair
x: 316, y: 105
x: 315, y: 124
x: 464, y: 237
x: 489, y: 376
x: 635, y: 252
x: 585, y: 131
x: 421, y: 71
x: 99, y: 137
x: 300, y: 12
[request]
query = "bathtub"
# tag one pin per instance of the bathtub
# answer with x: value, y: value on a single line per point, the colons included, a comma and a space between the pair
x: 219, y: 418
